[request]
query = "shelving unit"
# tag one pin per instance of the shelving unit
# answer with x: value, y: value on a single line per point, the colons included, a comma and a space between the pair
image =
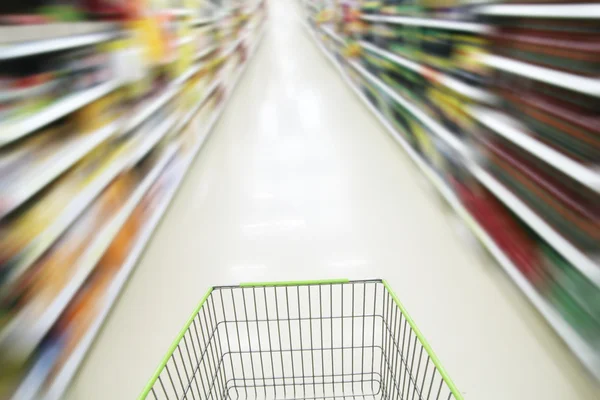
x: 70, y: 368
x: 588, y: 265
x: 167, y: 148
x: 581, y: 349
x: 584, y: 263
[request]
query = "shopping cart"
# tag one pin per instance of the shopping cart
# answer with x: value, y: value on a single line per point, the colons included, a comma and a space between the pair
x: 334, y: 339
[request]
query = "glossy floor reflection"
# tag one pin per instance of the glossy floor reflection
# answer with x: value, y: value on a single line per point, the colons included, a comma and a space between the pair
x: 299, y: 181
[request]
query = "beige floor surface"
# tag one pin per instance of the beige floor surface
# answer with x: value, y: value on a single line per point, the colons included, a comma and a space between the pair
x: 297, y: 181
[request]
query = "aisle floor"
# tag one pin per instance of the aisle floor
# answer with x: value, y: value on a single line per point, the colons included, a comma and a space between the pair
x: 299, y: 181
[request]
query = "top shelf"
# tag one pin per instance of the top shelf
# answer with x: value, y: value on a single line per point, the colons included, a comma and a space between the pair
x: 50, y: 45
x: 23, y: 41
x: 428, y: 23
x: 558, y: 11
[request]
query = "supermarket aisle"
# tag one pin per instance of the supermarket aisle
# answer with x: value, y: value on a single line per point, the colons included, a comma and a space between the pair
x: 299, y: 181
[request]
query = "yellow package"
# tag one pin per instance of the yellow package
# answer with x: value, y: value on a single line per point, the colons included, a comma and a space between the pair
x: 149, y: 35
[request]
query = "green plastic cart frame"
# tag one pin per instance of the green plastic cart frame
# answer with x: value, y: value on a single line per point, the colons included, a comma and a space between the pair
x: 326, y: 339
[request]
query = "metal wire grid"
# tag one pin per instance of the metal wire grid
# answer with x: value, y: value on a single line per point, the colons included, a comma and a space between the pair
x: 313, y: 341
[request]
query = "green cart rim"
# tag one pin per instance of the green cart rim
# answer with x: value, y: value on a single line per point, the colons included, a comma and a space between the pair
x: 436, y: 361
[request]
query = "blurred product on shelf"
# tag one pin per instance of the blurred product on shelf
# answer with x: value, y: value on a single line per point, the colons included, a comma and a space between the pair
x: 98, y: 124
x: 498, y: 105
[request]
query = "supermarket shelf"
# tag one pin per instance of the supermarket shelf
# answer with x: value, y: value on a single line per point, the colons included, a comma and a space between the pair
x: 242, y: 68
x: 41, y: 175
x: 45, y: 240
x: 433, y: 75
x: 158, y: 101
x: 24, y: 342
x: 35, y: 33
x: 161, y: 99
x: 558, y: 11
x: 188, y: 74
x: 428, y: 22
x: 13, y: 340
x: 333, y: 34
x: 23, y: 49
x: 190, y: 115
x: 150, y: 107
x: 12, y: 131
x: 204, y: 52
x: 66, y: 374
x: 19, y: 94
x: 147, y: 142
x: 565, y: 80
x: 588, y: 356
x: 516, y: 133
x: 582, y: 350
x: 428, y: 121
x: 587, y: 265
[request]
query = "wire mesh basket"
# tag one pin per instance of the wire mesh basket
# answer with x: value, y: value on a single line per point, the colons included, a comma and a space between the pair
x: 335, y: 339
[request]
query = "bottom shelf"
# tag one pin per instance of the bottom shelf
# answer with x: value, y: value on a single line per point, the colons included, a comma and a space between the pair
x: 583, y: 351
x: 32, y: 386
